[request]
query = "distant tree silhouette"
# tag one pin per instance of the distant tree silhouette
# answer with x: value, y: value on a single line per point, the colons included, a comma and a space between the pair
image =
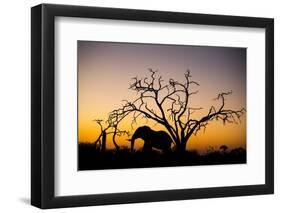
x: 169, y: 105
x: 224, y: 148
x: 104, y: 131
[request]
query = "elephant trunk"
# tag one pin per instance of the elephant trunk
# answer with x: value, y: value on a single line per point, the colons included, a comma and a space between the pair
x: 133, y: 142
x: 132, y: 145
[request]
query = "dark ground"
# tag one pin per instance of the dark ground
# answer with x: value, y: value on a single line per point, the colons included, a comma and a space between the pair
x: 91, y: 159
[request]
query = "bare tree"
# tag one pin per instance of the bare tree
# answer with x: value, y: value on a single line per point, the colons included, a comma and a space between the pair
x: 111, y: 128
x: 169, y: 105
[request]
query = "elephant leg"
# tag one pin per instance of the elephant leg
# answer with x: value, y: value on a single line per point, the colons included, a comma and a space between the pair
x: 147, y: 147
x: 167, y: 148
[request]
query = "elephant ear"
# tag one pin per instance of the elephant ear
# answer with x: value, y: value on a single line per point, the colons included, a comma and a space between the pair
x: 147, y: 132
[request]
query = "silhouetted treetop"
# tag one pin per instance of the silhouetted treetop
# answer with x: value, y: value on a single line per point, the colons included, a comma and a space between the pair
x: 168, y: 104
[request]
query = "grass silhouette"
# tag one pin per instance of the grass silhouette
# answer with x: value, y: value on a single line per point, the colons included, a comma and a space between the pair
x: 91, y: 158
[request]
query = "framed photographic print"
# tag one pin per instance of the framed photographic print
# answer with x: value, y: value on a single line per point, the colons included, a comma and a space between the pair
x: 139, y: 106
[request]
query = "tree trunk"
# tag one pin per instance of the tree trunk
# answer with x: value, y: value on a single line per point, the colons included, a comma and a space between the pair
x: 114, y: 141
x: 103, y: 144
x: 181, y: 147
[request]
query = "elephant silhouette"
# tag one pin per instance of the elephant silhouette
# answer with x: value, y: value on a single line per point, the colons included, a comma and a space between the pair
x: 152, y: 139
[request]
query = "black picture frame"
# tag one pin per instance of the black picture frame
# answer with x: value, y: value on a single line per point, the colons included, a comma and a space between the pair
x: 43, y: 110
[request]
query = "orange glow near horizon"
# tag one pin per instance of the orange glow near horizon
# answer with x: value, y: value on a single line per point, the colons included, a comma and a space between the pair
x: 106, y: 69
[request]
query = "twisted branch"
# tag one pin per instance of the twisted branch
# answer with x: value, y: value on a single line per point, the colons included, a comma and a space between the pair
x: 173, y: 110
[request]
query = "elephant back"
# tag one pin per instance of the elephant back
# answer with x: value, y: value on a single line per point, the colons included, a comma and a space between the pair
x: 161, y: 139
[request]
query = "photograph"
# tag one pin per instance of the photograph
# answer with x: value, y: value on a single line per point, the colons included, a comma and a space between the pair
x: 144, y: 105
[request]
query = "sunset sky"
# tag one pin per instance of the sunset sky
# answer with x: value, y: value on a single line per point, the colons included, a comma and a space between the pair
x: 105, y: 70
